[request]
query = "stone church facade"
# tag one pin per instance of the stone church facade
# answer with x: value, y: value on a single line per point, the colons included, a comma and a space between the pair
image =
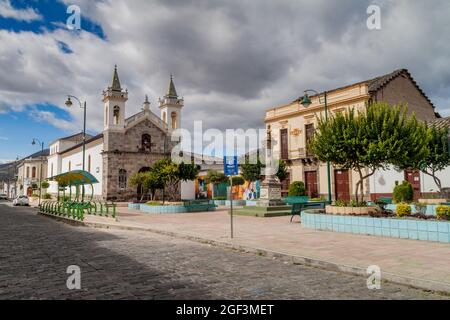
x: 126, y: 145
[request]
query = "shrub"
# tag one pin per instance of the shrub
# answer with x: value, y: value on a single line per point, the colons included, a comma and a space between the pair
x: 297, y: 189
x: 220, y: 198
x: 403, y: 192
x: 35, y: 195
x: 45, y: 185
x: 341, y: 203
x: 403, y: 209
x: 47, y: 196
x: 443, y: 212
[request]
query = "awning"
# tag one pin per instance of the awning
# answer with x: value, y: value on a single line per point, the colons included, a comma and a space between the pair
x: 74, y: 178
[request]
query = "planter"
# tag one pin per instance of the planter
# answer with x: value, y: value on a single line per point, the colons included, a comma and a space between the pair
x: 172, y: 208
x: 227, y: 202
x: 349, y: 210
x: 426, y: 230
x: 432, y: 201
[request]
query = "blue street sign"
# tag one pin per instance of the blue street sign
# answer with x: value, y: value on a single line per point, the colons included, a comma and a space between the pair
x: 230, y: 165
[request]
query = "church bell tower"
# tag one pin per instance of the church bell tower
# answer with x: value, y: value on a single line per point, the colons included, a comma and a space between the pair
x: 170, y: 106
x: 114, y: 98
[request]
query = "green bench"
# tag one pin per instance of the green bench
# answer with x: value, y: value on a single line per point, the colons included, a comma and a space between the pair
x: 300, y: 203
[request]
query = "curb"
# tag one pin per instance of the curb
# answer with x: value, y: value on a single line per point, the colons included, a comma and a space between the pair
x: 428, y: 285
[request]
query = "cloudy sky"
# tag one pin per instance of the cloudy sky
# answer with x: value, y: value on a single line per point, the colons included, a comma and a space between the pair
x: 231, y: 59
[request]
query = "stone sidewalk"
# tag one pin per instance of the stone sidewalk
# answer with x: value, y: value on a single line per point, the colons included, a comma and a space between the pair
x: 418, y: 263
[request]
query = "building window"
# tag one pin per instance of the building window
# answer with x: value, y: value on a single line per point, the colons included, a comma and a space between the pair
x: 28, y: 172
x: 116, y: 112
x: 51, y: 170
x: 33, y: 172
x: 89, y: 163
x: 146, y: 142
x: 70, y: 165
x: 122, y: 178
x: 309, y: 133
x: 164, y: 117
x: 284, y: 144
x: 173, y: 117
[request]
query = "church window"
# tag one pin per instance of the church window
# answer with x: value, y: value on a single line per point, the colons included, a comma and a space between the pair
x: 70, y: 165
x: 146, y: 142
x: 51, y: 170
x: 173, y: 115
x: 28, y: 172
x: 33, y: 172
x: 122, y: 178
x: 164, y: 117
x: 116, y: 112
x: 89, y: 163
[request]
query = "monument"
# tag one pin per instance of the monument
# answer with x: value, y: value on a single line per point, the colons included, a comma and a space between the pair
x: 270, y: 203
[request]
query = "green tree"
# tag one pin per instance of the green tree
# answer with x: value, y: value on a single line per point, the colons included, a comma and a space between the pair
x: 439, y: 156
x: 251, y: 171
x: 170, y: 174
x: 152, y: 182
x: 370, y: 139
x: 282, y: 172
x: 138, y: 179
x: 237, y: 181
x: 216, y: 177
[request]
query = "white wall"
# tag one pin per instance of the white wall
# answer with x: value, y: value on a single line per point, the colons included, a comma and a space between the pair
x: 76, y: 160
x: 427, y: 183
x: 187, y: 190
x: 383, y: 181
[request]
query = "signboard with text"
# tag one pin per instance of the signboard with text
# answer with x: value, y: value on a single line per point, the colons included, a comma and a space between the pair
x: 230, y: 165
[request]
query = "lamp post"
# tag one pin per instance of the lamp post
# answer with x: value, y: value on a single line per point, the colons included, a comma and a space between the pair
x: 306, y: 102
x: 40, y: 166
x: 82, y: 106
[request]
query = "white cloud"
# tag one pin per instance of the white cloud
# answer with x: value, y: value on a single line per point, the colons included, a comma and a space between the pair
x: 4, y: 138
x: 27, y: 15
x: 50, y: 117
x: 231, y: 59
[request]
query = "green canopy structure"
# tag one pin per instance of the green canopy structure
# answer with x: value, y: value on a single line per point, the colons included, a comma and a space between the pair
x: 74, y: 178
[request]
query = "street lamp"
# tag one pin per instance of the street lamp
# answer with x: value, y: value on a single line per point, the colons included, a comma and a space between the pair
x: 40, y: 167
x: 82, y: 106
x: 306, y: 102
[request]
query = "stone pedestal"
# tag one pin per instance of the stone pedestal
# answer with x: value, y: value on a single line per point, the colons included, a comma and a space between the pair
x: 270, y: 194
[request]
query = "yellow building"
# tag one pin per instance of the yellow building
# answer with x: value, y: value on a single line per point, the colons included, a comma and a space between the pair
x: 291, y: 126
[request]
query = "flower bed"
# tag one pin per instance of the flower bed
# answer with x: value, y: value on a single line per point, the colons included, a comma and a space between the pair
x: 405, y: 228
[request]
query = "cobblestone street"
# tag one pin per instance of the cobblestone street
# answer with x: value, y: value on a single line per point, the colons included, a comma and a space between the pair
x: 35, y: 252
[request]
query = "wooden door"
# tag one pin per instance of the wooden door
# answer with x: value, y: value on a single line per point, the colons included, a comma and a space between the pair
x: 413, y: 177
x: 311, y: 184
x: 342, y: 185
x: 284, y: 144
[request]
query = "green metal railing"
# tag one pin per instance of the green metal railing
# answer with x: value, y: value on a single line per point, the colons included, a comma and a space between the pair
x: 77, y: 210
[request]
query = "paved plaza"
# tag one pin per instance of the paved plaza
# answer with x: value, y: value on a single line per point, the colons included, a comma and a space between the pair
x: 35, y: 252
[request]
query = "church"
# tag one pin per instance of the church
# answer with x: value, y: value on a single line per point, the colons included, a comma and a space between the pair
x: 125, y: 146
